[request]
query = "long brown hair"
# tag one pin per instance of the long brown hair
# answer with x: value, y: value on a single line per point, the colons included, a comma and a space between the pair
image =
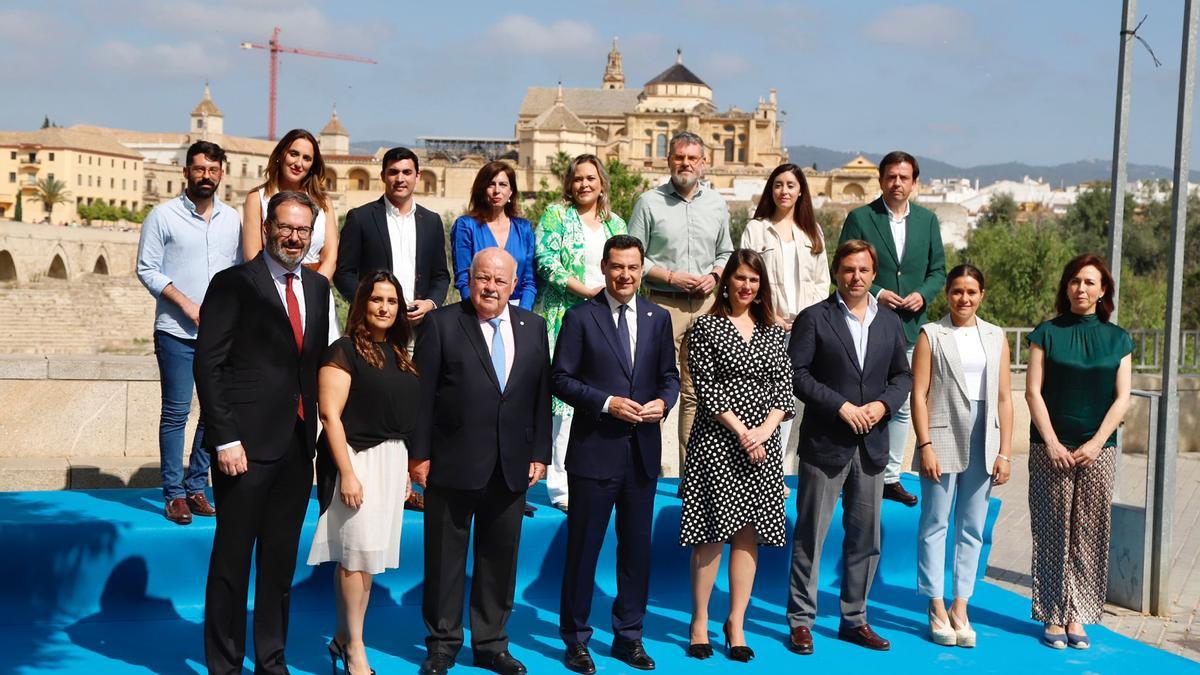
x: 313, y: 183
x: 762, y: 309
x: 398, y: 336
x: 803, y: 211
x: 478, y: 208
x: 1104, y: 306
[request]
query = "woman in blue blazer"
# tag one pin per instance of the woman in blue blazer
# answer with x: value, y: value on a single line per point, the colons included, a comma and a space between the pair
x: 492, y: 220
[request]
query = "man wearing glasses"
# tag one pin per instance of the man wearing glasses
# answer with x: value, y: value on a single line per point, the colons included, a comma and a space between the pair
x: 685, y: 229
x: 184, y: 242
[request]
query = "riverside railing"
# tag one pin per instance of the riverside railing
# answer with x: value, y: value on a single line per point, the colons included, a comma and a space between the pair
x: 1147, y: 349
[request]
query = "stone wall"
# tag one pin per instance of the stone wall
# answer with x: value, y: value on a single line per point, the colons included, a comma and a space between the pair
x: 92, y: 421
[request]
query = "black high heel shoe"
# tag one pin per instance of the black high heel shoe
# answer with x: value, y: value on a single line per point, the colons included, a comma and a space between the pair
x: 338, y: 651
x: 740, y: 653
x: 700, y: 650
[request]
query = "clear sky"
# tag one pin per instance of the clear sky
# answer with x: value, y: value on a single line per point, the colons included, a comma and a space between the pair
x: 968, y: 83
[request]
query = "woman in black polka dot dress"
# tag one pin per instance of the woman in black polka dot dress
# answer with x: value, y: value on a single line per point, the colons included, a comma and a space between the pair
x: 732, y: 486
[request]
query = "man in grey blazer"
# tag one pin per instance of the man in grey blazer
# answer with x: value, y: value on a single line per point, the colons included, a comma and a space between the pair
x: 851, y: 371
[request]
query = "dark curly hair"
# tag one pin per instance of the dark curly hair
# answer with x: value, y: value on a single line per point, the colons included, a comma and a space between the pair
x: 398, y: 336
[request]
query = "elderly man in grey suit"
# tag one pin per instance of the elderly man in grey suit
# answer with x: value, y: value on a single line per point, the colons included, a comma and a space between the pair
x: 851, y: 371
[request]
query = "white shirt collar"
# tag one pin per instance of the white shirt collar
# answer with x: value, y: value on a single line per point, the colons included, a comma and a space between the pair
x: 395, y: 212
x: 503, y: 316
x: 613, y: 303
x: 872, y: 303
x: 895, y: 216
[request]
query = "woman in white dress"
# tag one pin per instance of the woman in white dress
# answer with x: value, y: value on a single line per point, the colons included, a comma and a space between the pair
x: 785, y: 233
x: 296, y: 164
x: 368, y: 392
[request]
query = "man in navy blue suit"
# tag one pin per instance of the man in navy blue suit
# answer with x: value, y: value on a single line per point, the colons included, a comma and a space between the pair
x: 614, y: 362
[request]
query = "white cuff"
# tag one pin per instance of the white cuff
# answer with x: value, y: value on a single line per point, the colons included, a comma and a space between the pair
x: 226, y: 446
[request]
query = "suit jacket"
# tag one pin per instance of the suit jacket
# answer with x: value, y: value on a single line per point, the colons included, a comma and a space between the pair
x: 365, y: 246
x: 248, y: 371
x: 920, y: 267
x: 466, y: 424
x: 588, y: 369
x: 827, y: 375
x: 950, y: 402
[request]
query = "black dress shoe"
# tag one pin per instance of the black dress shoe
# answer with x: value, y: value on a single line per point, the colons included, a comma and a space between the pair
x: 632, y: 653
x: 897, y: 493
x: 502, y: 663
x: 436, y: 664
x: 579, y: 660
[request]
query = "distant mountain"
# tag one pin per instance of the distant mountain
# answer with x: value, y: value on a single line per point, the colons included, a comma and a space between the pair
x: 1070, y: 173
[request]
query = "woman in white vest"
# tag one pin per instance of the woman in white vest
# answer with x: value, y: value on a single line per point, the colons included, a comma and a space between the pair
x: 962, y: 414
x: 785, y: 233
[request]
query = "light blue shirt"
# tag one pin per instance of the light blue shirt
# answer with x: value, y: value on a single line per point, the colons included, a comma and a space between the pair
x: 177, y: 247
x: 860, y: 331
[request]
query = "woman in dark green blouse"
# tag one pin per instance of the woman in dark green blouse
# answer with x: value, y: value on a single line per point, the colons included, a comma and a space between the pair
x: 1077, y: 387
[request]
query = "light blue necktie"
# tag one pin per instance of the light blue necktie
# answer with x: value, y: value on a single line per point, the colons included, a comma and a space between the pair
x: 497, y: 351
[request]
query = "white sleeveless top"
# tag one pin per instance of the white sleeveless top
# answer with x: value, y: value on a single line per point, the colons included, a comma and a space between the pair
x: 318, y: 235
x: 974, y: 361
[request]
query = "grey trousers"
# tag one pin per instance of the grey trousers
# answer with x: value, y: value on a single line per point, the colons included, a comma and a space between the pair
x: 861, y: 488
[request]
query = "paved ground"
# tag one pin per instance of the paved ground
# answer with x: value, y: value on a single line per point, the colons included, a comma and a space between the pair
x: 1178, y: 633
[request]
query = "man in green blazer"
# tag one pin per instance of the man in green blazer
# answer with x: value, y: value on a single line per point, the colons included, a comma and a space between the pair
x: 911, y: 271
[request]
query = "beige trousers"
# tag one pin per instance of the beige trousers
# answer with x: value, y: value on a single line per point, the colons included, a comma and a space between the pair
x: 683, y: 311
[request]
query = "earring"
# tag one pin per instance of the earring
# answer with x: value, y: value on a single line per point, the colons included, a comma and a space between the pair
x: 725, y: 294
x: 758, y: 301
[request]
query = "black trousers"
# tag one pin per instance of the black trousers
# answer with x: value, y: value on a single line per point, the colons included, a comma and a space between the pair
x: 592, y: 502
x: 261, y: 512
x: 496, y: 513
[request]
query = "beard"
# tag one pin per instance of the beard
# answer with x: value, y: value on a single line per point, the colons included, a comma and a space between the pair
x: 202, y: 188
x: 275, y: 249
x: 684, y: 184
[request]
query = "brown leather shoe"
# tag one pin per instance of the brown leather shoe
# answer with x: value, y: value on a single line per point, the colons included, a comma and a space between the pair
x: 198, y: 504
x: 897, y: 493
x: 177, y: 511
x: 863, y: 636
x: 800, y: 640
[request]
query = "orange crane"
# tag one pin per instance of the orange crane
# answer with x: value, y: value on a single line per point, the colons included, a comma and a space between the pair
x: 275, y: 48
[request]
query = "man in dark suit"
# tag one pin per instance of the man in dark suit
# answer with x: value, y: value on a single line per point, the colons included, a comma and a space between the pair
x: 911, y: 272
x: 263, y: 327
x: 483, y: 438
x: 851, y: 372
x: 395, y: 233
x: 614, y: 362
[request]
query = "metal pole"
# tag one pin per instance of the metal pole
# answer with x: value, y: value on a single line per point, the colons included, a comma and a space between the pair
x: 1116, y: 213
x: 1168, y: 412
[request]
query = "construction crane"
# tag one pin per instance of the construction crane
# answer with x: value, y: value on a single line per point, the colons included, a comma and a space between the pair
x: 275, y: 48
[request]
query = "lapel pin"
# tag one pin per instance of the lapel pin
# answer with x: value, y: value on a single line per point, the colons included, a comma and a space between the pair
x: 522, y: 323
x: 649, y: 314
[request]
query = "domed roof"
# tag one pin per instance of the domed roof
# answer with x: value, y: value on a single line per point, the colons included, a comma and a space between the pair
x: 206, y: 105
x: 677, y: 74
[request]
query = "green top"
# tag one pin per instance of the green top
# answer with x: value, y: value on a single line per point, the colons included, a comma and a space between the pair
x: 1082, y: 354
x: 560, y: 252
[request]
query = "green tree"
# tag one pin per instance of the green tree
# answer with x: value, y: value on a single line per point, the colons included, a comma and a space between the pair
x: 1022, y: 263
x: 51, y: 191
x: 46, y: 122
x: 625, y: 186
x: 1001, y: 209
x: 738, y: 217
x: 547, y: 194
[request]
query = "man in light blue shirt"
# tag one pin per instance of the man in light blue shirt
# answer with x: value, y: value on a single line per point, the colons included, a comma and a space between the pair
x: 685, y: 229
x: 184, y: 242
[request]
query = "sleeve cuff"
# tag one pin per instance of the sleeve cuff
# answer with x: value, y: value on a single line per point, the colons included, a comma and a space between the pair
x: 226, y: 446
x: 604, y: 408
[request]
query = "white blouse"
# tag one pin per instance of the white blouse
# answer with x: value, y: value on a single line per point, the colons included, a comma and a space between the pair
x: 974, y: 361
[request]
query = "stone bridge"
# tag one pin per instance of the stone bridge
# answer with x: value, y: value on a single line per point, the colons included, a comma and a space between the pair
x: 29, y: 252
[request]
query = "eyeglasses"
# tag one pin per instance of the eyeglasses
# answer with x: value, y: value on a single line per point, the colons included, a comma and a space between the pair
x: 209, y: 171
x: 287, y: 230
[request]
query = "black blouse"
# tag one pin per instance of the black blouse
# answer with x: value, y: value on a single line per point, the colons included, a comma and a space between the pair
x: 382, y: 404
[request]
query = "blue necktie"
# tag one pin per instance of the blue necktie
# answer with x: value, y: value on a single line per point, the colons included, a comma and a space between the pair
x: 623, y: 335
x: 497, y: 352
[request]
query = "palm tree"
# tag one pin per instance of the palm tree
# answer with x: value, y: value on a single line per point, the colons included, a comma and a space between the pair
x: 51, y: 191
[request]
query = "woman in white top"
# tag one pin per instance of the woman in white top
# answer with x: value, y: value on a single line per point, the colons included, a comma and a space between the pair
x: 962, y: 414
x: 785, y: 233
x: 296, y: 164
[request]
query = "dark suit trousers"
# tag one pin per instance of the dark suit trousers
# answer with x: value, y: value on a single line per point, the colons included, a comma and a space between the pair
x: 861, y: 487
x: 592, y: 503
x: 260, y: 512
x: 496, y: 512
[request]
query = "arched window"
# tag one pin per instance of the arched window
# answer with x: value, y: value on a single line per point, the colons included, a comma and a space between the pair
x: 662, y: 145
x: 728, y: 149
x: 8, y: 269
x: 101, y: 266
x: 58, y: 269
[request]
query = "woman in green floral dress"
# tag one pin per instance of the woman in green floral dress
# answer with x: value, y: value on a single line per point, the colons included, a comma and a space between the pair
x: 570, y: 244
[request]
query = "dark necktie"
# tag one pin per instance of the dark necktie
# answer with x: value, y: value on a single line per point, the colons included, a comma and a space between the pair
x: 293, y: 310
x: 623, y: 336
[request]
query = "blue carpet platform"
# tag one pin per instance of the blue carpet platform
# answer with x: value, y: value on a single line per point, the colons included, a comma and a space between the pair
x: 99, y: 582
